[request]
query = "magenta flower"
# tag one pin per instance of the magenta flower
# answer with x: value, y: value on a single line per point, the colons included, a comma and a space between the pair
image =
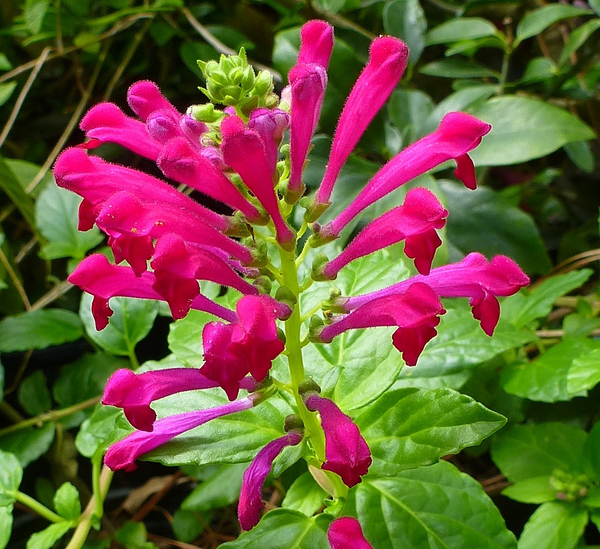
x: 270, y: 125
x: 346, y: 451
x: 144, y: 98
x: 316, y: 43
x: 123, y: 454
x: 346, y: 533
x: 250, y: 504
x: 414, y: 309
x: 415, y: 222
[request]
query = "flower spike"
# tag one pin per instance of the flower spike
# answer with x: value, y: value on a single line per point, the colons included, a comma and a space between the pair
x: 346, y: 533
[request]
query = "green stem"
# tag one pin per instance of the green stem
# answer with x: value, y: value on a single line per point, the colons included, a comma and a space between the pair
x: 294, y: 350
x: 36, y: 506
x: 96, y: 490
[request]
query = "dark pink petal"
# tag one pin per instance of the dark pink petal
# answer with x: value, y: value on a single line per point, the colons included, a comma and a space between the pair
x: 387, y: 61
x: 133, y: 249
x: 144, y: 98
x: 307, y: 87
x: 250, y: 504
x: 180, y: 161
x: 346, y: 451
x: 415, y: 221
x: 458, y: 134
x: 346, y: 533
x: 270, y: 125
x: 193, y: 129
x: 316, y: 43
x: 245, y: 152
x: 124, y: 453
x: 162, y: 126
x: 414, y: 309
x: 107, y: 123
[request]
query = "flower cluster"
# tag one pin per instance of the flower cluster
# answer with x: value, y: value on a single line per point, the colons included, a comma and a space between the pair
x: 250, y: 156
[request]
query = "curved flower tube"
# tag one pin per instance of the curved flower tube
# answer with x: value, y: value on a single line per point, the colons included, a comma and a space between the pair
x: 144, y: 97
x: 316, y: 43
x: 346, y: 533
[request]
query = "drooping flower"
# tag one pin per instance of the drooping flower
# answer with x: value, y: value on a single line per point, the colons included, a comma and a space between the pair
x: 346, y: 451
x: 346, y: 533
x: 250, y: 504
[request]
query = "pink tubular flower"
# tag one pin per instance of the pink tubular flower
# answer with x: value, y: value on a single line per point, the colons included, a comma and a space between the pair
x: 123, y: 454
x: 346, y: 533
x: 244, y: 150
x: 144, y: 98
x: 251, y: 504
x: 414, y: 309
x: 473, y: 277
x: 457, y: 134
x: 415, y: 222
x: 387, y: 61
x: 316, y: 43
x: 346, y: 451
x: 270, y: 125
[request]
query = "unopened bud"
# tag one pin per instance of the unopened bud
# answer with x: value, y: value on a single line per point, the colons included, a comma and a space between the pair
x: 318, y: 266
x: 308, y: 385
x: 293, y: 422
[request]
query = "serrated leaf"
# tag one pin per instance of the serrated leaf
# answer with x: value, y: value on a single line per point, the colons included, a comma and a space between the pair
x: 405, y: 19
x: 434, y: 506
x: 11, y: 474
x: 554, y: 526
x: 6, y: 521
x: 524, y: 129
x: 66, y: 502
x: 463, y: 28
x: 531, y: 490
x: 49, y: 536
x: 34, y: 396
x: 304, y: 495
x: 560, y: 374
x: 29, y: 444
x: 483, y: 221
x: 131, y: 322
x: 528, y: 451
x: 538, y: 20
x: 39, y: 329
x: 219, y: 490
x: 411, y: 427
x: 285, y: 529
x: 522, y: 308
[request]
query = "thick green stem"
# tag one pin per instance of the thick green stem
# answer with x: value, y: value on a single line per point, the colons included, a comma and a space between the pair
x: 36, y: 506
x: 294, y: 353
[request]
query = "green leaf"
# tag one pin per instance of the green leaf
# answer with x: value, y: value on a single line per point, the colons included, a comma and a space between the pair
x: 35, y: 11
x: 5, y: 64
x: 457, y: 67
x: 407, y: 110
x: 6, y: 521
x: 29, y: 444
x: 11, y: 474
x: 285, y: 529
x: 591, y: 453
x: 6, y: 90
x: 219, y: 490
x: 578, y: 38
x: 523, y: 129
x: 131, y: 322
x: 56, y: 217
x: 581, y: 155
x: 304, y: 495
x: 434, y: 506
x: 186, y: 525
x: 10, y: 184
x: 39, y: 329
x: 463, y: 28
x: 561, y: 373
x: 531, y: 490
x: 49, y: 536
x: 533, y: 450
x: 483, y: 221
x: 132, y: 535
x: 538, y: 20
x: 405, y: 19
x: 34, y: 395
x: 520, y: 309
x: 66, y: 502
x: 554, y: 526
x: 184, y: 339
x: 26, y: 172
x: 412, y: 427
x: 95, y: 431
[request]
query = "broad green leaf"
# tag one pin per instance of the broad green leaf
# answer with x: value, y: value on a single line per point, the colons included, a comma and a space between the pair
x: 554, y: 526
x: 581, y: 154
x: 185, y: 338
x: 11, y: 474
x: 34, y: 12
x: 304, y: 495
x: 66, y: 502
x: 29, y: 444
x: 332, y: 6
x: 6, y: 520
x: 97, y: 430
x: 131, y: 322
x: 457, y: 67
x: 405, y: 19
x: 538, y: 70
x: 578, y: 38
x: 235, y: 438
x: 523, y: 129
x: 5, y: 64
x: 6, y: 90
x: 412, y: 427
x: 408, y: 109
x: 49, y: 536
x: 531, y: 490
x: 540, y: 19
x: 187, y: 525
x: 591, y: 453
x: 533, y: 450
x: 56, y: 217
x: 428, y: 507
x: 25, y: 172
x: 133, y: 535
x: 9, y: 183
x: 595, y: 5
x: 463, y: 28
x: 39, y: 329
x: 34, y: 396
x: 483, y: 221
x: 285, y: 529
x: 219, y: 490
x: 560, y: 374
x: 520, y: 309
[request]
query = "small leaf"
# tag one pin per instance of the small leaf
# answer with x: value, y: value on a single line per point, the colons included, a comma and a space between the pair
x: 457, y: 67
x: 6, y: 521
x: 186, y: 525
x: 578, y: 38
x: 405, y: 19
x: 5, y: 64
x: 6, y: 90
x: 531, y: 490
x: 10, y: 184
x: 219, y: 490
x: 304, y: 495
x: 29, y: 444
x: 34, y: 395
x: 35, y: 11
x: 538, y: 20
x: 66, y: 502
x: 591, y: 453
x: 463, y: 28
x: 95, y: 431
x: 554, y: 526
x: 39, y: 329
x: 581, y: 155
x: 413, y: 427
x: 11, y: 474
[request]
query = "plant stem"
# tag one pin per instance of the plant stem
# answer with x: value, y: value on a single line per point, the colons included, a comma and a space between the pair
x: 36, y: 506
